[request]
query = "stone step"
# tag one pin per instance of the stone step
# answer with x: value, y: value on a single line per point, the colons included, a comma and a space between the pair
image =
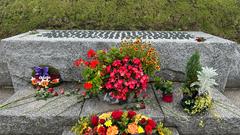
x: 51, y: 116
x: 5, y: 93
x: 234, y: 95
x: 223, y: 118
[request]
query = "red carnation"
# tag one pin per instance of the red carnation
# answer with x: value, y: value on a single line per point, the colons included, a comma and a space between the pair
x: 102, y: 121
x: 87, y: 85
x: 151, y: 123
x: 77, y: 62
x: 91, y: 53
x: 94, y: 120
x: 93, y: 63
x: 102, y: 130
x: 131, y: 114
x: 116, y: 115
x: 148, y: 130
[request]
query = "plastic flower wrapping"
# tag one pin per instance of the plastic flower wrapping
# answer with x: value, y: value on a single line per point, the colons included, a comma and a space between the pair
x: 119, y: 72
x: 119, y: 123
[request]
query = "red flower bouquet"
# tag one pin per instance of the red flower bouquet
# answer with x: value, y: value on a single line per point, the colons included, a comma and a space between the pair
x: 119, y: 122
x: 119, y: 72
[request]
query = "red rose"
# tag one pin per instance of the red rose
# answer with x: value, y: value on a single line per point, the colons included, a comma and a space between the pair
x: 101, y: 121
x: 94, y: 120
x: 116, y: 115
x: 50, y: 90
x: 87, y: 85
x: 93, y: 63
x: 91, y: 53
x: 151, y: 123
x: 55, y: 93
x: 62, y: 91
x: 143, y: 121
x: 148, y: 130
x: 131, y: 114
x: 102, y: 130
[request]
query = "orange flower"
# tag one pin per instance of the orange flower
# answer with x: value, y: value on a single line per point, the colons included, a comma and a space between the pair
x: 34, y: 81
x: 132, y: 128
x: 44, y: 83
x: 113, y: 130
x: 158, y: 67
x: 54, y: 81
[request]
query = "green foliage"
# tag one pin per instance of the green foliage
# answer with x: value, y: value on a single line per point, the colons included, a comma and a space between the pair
x: 81, y: 125
x: 219, y: 17
x: 163, y: 130
x: 193, y: 66
x: 164, y: 85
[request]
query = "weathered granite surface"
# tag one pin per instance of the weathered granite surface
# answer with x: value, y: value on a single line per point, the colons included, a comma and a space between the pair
x: 223, y: 118
x: 61, y: 48
x: 29, y: 116
x: 97, y: 106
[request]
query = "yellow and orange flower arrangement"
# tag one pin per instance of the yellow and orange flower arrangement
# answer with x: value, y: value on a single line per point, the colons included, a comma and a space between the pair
x: 119, y: 123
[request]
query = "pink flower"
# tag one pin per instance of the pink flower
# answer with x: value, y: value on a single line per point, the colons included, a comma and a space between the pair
x: 116, y: 63
x: 109, y: 85
x: 136, y: 61
x: 125, y: 59
x: 108, y: 68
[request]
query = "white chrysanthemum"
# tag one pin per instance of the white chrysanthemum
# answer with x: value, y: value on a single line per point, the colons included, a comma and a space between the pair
x: 205, y: 79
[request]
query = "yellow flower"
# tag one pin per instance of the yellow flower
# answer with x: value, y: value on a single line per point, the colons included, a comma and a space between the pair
x: 113, y: 130
x: 132, y: 128
x: 137, y: 118
x: 105, y: 115
x: 140, y: 130
x: 108, y: 123
x: 44, y: 83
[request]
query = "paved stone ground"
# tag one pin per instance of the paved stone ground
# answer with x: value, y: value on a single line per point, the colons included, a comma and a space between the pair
x: 234, y: 95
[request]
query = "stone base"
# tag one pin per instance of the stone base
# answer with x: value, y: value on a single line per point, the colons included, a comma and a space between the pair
x: 223, y: 118
x: 52, y: 116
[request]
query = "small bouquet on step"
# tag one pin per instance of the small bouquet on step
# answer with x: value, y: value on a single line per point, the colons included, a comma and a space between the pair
x: 119, y: 123
x: 44, y: 78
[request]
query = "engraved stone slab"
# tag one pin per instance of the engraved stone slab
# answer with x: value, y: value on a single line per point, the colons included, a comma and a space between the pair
x: 61, y: 48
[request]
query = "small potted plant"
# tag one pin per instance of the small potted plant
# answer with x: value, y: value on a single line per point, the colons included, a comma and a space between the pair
x: 166, y: 87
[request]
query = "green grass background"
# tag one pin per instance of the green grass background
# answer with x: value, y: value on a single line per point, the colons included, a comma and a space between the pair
x: 218, y: 17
